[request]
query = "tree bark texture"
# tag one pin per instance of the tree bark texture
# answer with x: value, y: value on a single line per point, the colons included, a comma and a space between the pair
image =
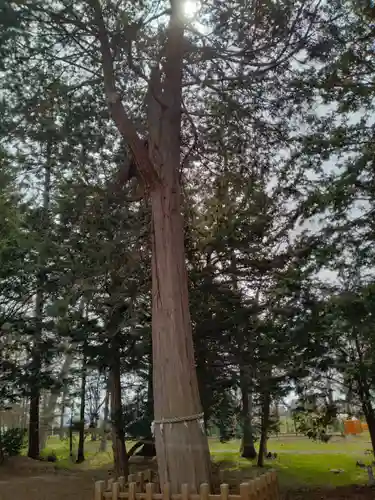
x: 247, y: 445
x: 266, y: 400
x: 64, y: 396
x: 370, y: 420
x: 367, y: 407
x: 103, y: 442
x: 36, y: 364
x: 33, y: 451
x: 81, y: 441
x: 49, y: 408
x: 118, y: 436
x: 182, y: 448
x: 364, y: 392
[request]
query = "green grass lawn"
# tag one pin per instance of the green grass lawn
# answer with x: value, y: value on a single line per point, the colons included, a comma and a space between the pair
x: 300, y: 462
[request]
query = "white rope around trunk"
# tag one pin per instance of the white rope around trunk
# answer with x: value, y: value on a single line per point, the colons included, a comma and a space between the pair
x: 178, y: 420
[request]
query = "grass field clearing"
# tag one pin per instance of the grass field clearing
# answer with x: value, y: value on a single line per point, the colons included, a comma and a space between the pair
x: 300, y: 462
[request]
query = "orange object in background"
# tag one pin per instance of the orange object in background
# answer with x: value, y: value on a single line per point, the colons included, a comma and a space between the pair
x: 352, y: 427
x: 364, y: 427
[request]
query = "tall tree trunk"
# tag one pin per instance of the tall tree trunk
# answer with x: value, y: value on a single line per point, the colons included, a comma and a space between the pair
x: 364, y: 390
x: 203, y: 379
x: 118, y: 436
x: 266, y: 400
x: 247, y: 445
x: 49, y: 408
x: 367, y: 407
x: 44, y: 423
x: 370, y: 420
x: 148, y: 448
x: 348, y: 402
x: 33, y: 451
x: 35, y: 370
x: 103, y: 442
x: 81, y: 441
x: 64, y: 395
x: 71, y: 437
x: 330, y: 393
x: 24, y: 413
x: 182, y: 446
x: 36, y: 364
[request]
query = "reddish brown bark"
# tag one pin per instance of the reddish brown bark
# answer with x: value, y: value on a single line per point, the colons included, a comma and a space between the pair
x: 247, y: 445
x: 266, y: 400
x: 120, y: 456
x: 182, y: 448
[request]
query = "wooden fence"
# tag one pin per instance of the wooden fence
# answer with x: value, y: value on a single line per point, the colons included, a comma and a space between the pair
x: 141, y: 487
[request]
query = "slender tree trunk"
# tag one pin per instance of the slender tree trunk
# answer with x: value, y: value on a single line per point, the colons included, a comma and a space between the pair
x: 81, y: 441
x: 33, y: 451
x: 364, y: 391
x: 103, y: 442
x: 348, y: 402
x: 24, y: 414
x: 36, y: 364
x: 64, y: 395
x: 266, y: 400
x: 118, y: 436
x: 71, y: 438
x: 148, y: 448
x: 49, y: 406
x: 370, y: 420
x: 247, y: 446
x: 44, y: 423
x: 368, y: 409
x: 202, y: 375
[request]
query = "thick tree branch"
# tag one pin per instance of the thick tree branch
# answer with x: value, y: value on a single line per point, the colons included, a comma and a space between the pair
x: 125, y: 126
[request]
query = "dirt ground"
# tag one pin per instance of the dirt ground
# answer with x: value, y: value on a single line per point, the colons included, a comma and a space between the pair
x: 25, y: 479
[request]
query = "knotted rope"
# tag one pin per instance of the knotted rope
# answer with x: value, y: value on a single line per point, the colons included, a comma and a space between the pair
x: 178, y: 420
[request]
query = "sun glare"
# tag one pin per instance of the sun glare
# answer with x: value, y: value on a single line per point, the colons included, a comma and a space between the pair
x: 191, y: 8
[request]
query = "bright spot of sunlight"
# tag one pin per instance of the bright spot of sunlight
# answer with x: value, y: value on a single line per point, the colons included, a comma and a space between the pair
x: 191, y: 7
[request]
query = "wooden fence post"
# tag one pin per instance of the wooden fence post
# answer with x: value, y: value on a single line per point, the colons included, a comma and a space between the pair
x: 166, y: 491
x: 150, y: 490
x: 184, y: 492
x: 264, y: 487
x: 132, y: 491
x: 244, y: 491
x: 224, y: 492
x: 99, y: 490
x: 115, y: 490
x: 204, y: 491
x: 258, y: 487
